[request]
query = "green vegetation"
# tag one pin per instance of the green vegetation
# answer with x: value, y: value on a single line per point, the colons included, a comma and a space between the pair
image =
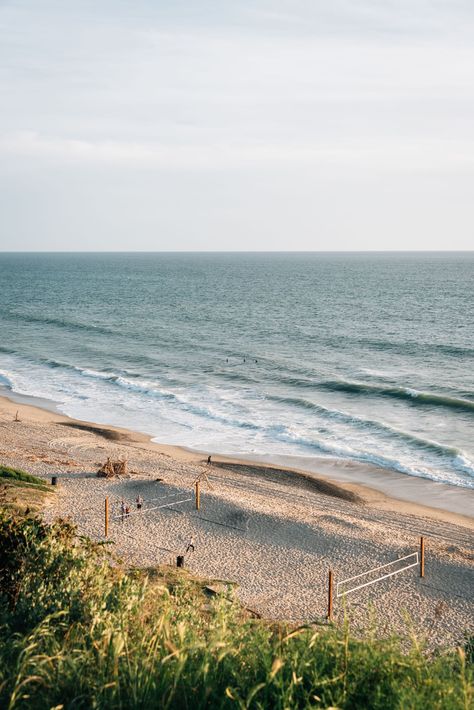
x: 20, y: 491
x: 79, y: 632
x: 16, y: 474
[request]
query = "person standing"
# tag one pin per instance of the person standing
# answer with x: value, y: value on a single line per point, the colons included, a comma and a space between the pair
x: 208, y: 460
x: 139, y: 502
x: 123, y: 509
x: 190, y: 544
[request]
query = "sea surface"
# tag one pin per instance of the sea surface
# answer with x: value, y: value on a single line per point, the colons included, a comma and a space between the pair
x: 361, y: 357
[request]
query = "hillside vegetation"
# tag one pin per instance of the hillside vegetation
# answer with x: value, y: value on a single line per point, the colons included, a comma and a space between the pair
x: 78, y: 631
x: 22, y: 491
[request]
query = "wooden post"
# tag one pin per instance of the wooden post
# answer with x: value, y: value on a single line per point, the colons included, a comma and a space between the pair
x: 422, y: 556
x: 330, y: 582
x: 197, y: 495
x: 106, y: 516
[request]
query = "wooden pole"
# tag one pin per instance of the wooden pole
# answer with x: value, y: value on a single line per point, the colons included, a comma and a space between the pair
x: 330, y: 583
x: 197, y: 495
x: 422, y: 556
x: 106, y: 516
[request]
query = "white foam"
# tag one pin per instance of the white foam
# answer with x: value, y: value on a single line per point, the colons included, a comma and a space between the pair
x: 5, y: 379
x: 224, y: 419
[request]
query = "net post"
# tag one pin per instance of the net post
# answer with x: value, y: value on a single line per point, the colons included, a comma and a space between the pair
x: 106, y: 521
x: 197, y: 495
x: 330, y: 595
x: 422, y: 556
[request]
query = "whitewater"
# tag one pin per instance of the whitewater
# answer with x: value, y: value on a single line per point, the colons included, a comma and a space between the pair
x: 355, y: 357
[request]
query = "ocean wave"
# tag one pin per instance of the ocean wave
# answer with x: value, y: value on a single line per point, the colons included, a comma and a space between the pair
x: 404, y: 393
x: 400, y: 347
x: 225, y: 411
x: 340, y: 451
x: 463, y: 464
x: 166, y: 339
x: 450, y: 452
x: 5, y: 380
x: 6, y: 351
x: 415, y: 347
x: 391, y: 344
x: 454, y: 456
x: 88, y: 372
x: 151, y: 389
x: 59, y: 322
x: 185, y: 403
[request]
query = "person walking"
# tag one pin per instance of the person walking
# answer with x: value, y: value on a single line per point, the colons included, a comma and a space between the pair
x: 208, y: 460
x: 139, y: 502
x: 190, y: 544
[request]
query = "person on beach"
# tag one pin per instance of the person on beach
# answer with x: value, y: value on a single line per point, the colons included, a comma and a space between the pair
x: 208, y: 460
x: 127, y: 511
x: 190, y: 544
x: 139, y: 502
x: 123, y: 510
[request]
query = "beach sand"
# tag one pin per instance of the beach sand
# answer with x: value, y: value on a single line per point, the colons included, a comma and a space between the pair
x: 271, y: 531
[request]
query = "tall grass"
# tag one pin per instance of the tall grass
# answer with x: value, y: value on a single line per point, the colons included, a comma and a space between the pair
x: 77, y: 631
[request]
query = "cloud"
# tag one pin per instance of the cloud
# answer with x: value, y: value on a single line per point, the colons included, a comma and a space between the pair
x: 304, y: 90
x: 398, y: 156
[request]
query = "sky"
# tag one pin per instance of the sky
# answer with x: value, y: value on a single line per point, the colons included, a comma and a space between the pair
x: 236, y: 125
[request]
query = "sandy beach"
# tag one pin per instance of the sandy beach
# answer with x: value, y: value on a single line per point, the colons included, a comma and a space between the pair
x: 273, y: 532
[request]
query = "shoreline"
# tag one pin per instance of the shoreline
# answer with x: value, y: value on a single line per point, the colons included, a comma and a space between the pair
x: 271, y: 532
x: 385, y: 490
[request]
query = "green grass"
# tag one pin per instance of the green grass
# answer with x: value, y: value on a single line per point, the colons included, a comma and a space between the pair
x: 20, y: 491
x: 79, y: 632
x: 19, y: 476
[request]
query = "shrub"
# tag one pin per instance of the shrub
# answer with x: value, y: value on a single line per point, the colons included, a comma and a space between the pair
x: 81, y: 632
x: 16, y: 474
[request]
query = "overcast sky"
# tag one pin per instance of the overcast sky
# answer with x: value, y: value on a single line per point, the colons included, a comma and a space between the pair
x: 236, y: 124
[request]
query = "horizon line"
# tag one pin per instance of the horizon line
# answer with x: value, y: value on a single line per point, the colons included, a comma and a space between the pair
x: 237, y: 251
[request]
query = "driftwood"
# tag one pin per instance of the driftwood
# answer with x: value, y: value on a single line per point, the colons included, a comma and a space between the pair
x: 112, y: 468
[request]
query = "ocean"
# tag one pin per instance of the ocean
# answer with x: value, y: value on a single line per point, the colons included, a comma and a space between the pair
x: 364, y: 357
